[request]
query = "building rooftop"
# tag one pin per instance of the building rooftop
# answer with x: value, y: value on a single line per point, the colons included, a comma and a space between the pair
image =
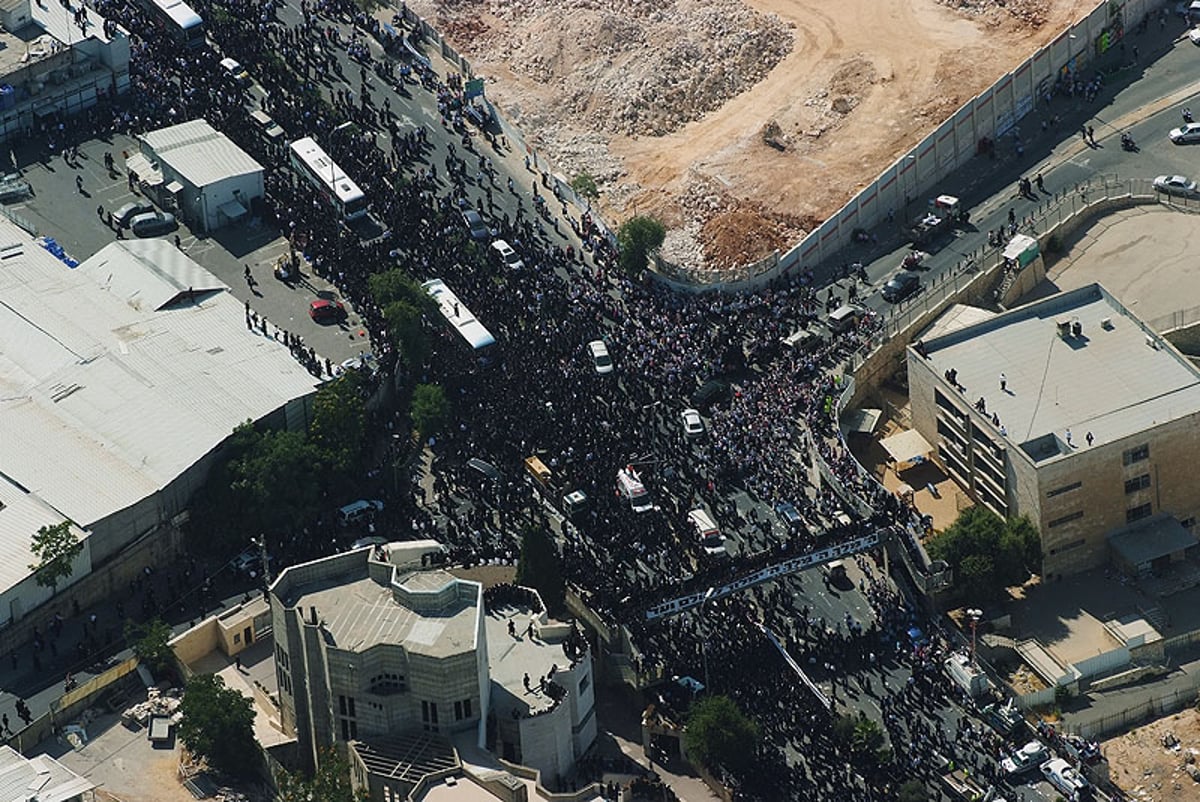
x: 1114, y: 379
x: 42, y: 778
x: 405, y: 759
x: 200, y: 153
x: 114, y: 382
x: 427, y: 612
x: 50, y: 29
x: 21, y: 512
x: 510, y: 659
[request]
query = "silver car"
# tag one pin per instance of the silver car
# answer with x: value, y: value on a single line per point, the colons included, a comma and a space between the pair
x: 1185, y: 134
x: 1175, y: 185
x: 152, y: 224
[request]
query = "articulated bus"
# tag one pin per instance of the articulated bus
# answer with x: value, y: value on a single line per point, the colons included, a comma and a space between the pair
x: 323, y: 173
x: 469, y: 330
x: 179, y: 20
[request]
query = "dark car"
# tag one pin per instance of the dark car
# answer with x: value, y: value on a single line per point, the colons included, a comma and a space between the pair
x: 323, y: 310
x: 900, y: 287
x: 474, y: 222
x: 122, y: 216
x: 152, y: 224
x: 713, y: 391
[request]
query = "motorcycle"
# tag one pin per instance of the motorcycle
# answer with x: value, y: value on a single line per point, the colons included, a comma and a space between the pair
x: 1128, y: 144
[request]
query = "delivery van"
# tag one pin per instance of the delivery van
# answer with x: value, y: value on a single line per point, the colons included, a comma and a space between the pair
x: 707, y: 532
x: 630, y: 487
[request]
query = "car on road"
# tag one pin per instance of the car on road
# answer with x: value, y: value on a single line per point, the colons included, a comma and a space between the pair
x: 475, y: 224
x: 123, y: 215
x: 1175, y: 185
x: 713, y: 391
x: 693, y: 426
x: 900, y: 286
x: 236, y: 72
x: 510, y: 257
x: 788, y: 513
x: 1025, y: 759
x: 600, y: 357
x: 1185, y: 134
x: 250, y: 561
x: 152, y: 224
x: 324, y: 310
x: 358, y: 511
x: 1066, y: 779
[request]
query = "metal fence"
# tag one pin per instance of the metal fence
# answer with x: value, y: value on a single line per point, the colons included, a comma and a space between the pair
x: 1146, y: 710
x: 1175, y: 320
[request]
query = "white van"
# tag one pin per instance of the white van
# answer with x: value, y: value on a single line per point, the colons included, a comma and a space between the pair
x: 1066, y: 779
x: 630, y: 487
x: 843, y: 318
x: 266, y: 125
x: 358, y: 512
x: 708, y: 532
x: 508, y: 256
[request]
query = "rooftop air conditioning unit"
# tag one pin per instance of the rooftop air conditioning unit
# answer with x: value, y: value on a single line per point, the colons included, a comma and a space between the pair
x: 1106, y: 324
x: 1150, y: 341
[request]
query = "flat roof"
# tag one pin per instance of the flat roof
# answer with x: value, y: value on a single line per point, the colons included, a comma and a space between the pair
x: 359, y: 611
x: 510, y: 659
x: 1113, y: 380
x: 114, y: 381
x: 1145, y: 541
x: 199, y: 153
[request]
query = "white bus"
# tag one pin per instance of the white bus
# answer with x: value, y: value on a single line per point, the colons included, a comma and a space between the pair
x: 178, y: 19
x: 456, y: 313
x: 324, y: 174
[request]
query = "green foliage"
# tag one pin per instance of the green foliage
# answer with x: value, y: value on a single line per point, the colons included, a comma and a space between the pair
x: 429, y: 409
x: 396, y: 285
x: 585, y: 186
x: 56, y: 548
x: 149, y: 642
x: 913, y: 791
x: 539, y: 568
x: 278, y: 481
x: 218, y: 725
x: 404, y: 321
x: 862, y: 736
x: 718, y: 733
x: 988, y: 554
x: 637, y: 238
x: 339, y: 422
x: 330, y: 783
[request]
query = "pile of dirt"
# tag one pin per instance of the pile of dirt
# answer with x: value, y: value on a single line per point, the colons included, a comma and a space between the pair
x: 1158, y: 762
x: 1032, y: 13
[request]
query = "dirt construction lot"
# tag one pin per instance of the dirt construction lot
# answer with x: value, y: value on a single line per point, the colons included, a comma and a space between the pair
x: 1148, y: 771
x: 670, y: 104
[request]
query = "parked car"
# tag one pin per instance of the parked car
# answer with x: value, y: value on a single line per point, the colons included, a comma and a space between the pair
x: 693, y: 426
x: 123, y: 215
x: 788, y: 513
x: 600, y: 357
x: 1185, y: 134
x: 1175, y: 185
x: 358, y: 511
x: 507, y: 255
x: 1066, y: 779
x: 900, y: 286
x: 324, y: 310
x: 152, y: 224
x: 475, y: 224
x: 236, y: 72
x: 1194, y: 35
x: 250, y: 561
x: 1025, y: 759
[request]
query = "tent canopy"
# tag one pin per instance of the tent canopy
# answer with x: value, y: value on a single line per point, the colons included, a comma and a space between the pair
x: 906, y: 445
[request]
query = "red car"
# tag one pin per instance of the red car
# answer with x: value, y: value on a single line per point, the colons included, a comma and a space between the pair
x: 325, y: 311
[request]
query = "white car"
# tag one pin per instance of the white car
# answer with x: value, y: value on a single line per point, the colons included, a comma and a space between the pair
x: 1175, y: 185
x: 507, y: 255
x: 1185, y: 134
x: 1194, y: 35
x: 693, y: 426
x: 600, y: 358
x: 1065, y: 778
x: 1027, y: 758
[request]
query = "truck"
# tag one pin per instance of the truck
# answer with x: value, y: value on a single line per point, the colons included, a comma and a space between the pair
x: 1004, y: 719
x: 945, y: 212
x: 963, y: 785
x: 967, y: 675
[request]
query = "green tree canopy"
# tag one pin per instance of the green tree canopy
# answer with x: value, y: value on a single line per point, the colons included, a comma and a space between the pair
x: 862, y: 736
x: 404, y: 321
x: 585, y: 186
x: 218, y: 725
x: 339, y: 421
x: 538, y: 567
x: 149, y: 642
x: 913, y: 791
x: 637, y: 238
x: 56, y: 548
x: 429, y: 409
x: 396, y: 285
x: 719, y: 733
x: 987, y: 553
x: 330, y: 783
x: 279, y: 481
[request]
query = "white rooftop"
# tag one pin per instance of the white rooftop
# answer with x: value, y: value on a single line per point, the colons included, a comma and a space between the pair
x: 42, y: 778
x: 1113, y: 380
x: 114, y: 380
x: 200, y: 153
x: 21, y: 516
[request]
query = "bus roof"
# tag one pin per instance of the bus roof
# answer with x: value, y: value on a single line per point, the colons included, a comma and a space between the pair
x: 458, y: 315
x: 180, y: 13
x: 326, y: 170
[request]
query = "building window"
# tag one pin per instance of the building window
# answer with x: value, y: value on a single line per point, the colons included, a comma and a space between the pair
x: 1066, y: 519
x: 466, y: 708
x: 1058, y: 491
x: 458, y: 711
x: 342, y: 705
x: 1136, y: 454
x: 1137, y: 483
x: 1138, y: 513
x: 345, y: 729
x: 429, y: 716
x: 584, y: 681
x: 1074, y: 544
x: 350, y: 704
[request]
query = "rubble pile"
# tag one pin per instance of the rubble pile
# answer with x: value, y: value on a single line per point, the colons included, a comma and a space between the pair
x: 1031, y: 13
x: 158, y: 703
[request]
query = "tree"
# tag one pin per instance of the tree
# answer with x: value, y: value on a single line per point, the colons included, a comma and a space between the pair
x: 278, y: 482
x: 636, y: 238
x: 718, y: 733
x: 330, y: 783
x: 149, y: 642
x: 585, y: 186
x: 218, y: 725
x: 428, y: 409
x: 339, y: 422
x: 987, y: 553
x: 396, y: 285
x: 56, y: 548
x: 404, y: 322
x: 538, y: 567
x: 913, y: 791
x: 862, y: 736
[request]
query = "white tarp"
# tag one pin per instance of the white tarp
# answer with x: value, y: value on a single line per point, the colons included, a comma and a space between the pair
x: 906, y: 445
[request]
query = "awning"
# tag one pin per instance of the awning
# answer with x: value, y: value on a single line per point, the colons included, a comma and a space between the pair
x: 174, y: 187
x: 147, y: 172
x: 861, y: 421
x: 907, y: 445
x: 232, y: 210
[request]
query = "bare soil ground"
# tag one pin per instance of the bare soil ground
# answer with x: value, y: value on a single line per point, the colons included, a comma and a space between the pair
x: 1146, y: 770
x: 741, y: 123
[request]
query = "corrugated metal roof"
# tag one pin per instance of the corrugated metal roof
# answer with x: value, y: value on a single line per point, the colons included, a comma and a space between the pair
x: 199, y: 153
x: 106, y: 397
x: 42, y: 778
x: 21, y: 516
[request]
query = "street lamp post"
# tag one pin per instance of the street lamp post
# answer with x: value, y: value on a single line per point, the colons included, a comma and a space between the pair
x: 974, y: 614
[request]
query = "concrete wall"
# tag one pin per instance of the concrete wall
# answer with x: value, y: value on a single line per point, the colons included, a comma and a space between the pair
x: 546, y: 743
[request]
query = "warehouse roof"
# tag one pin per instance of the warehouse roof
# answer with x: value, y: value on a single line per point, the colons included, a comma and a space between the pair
x: 114, y: 381
x: 199, y: 153
x: 42, y: 778
x: 22, y: 514
x: 1076, y: 361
